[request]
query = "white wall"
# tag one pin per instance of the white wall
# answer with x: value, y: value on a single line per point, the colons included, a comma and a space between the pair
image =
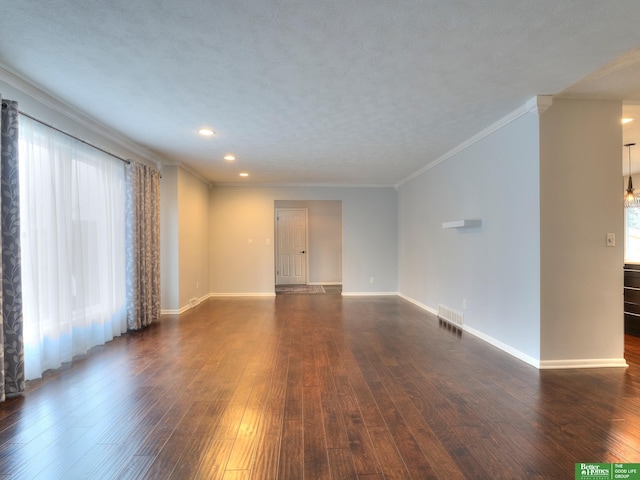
x: 169, y: 261
x: 193, y: 222
x: 184, y: 229
x: 494, y: 268
x: 581, y: 201
x: 537, y: 278
x: 241, y: 213
x: 325, y: 239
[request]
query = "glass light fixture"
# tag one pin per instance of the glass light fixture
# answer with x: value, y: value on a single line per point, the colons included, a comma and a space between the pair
x: 630, y: 198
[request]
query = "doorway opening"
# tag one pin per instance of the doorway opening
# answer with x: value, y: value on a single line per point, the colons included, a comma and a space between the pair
x: 308, y: 242
x: 631, y: 136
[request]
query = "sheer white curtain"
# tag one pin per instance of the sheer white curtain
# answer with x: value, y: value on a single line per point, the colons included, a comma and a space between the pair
x: 73, y: 243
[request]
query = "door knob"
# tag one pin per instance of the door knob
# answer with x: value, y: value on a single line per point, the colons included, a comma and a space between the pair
x: 302, y: 251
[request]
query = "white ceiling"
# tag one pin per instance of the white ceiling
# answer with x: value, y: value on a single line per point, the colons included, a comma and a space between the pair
x: 317, y: 91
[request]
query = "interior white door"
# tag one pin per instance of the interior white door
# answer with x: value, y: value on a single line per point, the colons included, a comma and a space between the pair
x: 291, y: 242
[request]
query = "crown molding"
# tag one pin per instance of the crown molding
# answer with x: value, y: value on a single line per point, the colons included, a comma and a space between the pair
x: 300, y: 185
x: 48, y: 100
x: 190, y: 170
x: 537, y: 104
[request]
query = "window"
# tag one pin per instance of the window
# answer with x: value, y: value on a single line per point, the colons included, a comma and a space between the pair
x: 73, y: 246
x: 632, y: 235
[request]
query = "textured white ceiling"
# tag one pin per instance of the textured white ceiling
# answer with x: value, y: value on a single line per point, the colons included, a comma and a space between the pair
x: 330, y: 92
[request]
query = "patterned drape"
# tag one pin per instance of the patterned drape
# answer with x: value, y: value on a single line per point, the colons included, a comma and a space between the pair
x: 11, y: 339
x: 143, y: 245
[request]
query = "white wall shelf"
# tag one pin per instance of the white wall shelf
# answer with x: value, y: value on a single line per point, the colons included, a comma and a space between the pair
x: 463, y: 223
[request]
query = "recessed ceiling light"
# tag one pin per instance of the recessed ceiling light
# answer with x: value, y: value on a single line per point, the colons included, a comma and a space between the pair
x: 206, y: 132
x: 244, y: 174
x: 626, y: 120
x: 229, y: 158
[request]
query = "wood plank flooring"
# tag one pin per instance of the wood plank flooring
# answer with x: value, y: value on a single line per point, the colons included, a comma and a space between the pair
x: 315, y: 387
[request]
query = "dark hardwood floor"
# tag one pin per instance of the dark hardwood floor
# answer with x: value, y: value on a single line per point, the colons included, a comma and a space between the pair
x: 315, y: 387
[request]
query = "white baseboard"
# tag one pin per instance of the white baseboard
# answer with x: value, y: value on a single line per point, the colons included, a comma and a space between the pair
x: 175, y: 312
x: 550, y: 364
x: 539, y: 364
x: 368, y: 294
x: 490, y: 340
x: 417, y: 303
x: 324, y: 283
x: 503, y: 346
x: 211, y: 295
x: 246, y: 294
x: 584, y: 363
x: 542, y: 365
x: 186, y: 307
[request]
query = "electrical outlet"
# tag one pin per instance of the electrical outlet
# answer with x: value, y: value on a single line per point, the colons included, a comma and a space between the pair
x: 372, y: 280
x: 464, y: 303
x: 250, y: 242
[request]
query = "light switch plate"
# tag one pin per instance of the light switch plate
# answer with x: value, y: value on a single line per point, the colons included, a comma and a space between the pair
x: 611, y: 239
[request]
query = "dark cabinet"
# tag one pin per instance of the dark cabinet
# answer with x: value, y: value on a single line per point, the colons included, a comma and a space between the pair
x: 632, y: 299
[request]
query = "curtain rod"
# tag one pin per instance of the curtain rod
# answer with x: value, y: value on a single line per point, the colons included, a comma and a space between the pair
x: 72, y: 136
